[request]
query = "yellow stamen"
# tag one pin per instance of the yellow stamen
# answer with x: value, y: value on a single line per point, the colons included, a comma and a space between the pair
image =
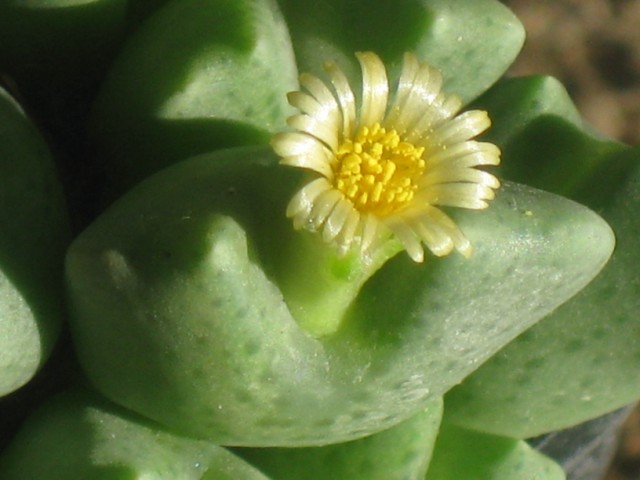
x: 377, y: 171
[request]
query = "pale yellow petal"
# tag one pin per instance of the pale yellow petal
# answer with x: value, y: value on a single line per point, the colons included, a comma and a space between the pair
x: 463, y: 127
x: 328, y: 111
x: 375, y: 88
x: 437, y: 230
x: 410, y: 69
x: 315, y: 162
x: 347, y: 235
x: 303, y: 151
x: 290, y: 144
x: 448, y: 107
x: 318, y: 89
x: 346, y: 98
x: 441, y: 110
x: 322, y: 207
x: 434, y: 237
x: 449, y: 227
x: 336, y: 220
x: 303, y: 201
x: 446, y: 174
x: 408, y: 238
x: 370, y: 225
x: 462, y: 195
x: 323, y: 131
x: 465, y: 154
x: 419, y: 101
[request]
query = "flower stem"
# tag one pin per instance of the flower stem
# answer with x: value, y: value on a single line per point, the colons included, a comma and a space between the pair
x: 318, y: 284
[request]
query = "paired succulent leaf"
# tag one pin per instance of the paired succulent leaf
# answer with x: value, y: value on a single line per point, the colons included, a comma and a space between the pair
x: 185, y: 294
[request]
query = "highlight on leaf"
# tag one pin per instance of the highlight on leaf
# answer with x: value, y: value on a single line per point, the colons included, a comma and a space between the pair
x: 383, y: 167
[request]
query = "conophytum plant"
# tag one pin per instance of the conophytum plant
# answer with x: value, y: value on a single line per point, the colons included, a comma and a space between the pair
x: 339, y: 243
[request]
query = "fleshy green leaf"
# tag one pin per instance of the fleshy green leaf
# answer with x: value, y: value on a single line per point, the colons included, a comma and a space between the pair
x: 464, y: 454
x: 177, y: 312
x: 198, y: 75
x: 33, y: 239
x: 399, y: 453
x: 78, y: 435
x: 471, y: 41
x: 583, y: 360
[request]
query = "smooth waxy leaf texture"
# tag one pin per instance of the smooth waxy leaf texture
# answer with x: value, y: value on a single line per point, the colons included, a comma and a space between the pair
x: 198, y: 75
x: 177, y: 312
x: 78, y: 435
x: 461, y: 453
x: 399, y: 453
x: 33, y: 239
x: 584, y: 359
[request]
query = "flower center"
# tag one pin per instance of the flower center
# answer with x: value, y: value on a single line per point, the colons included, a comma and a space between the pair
x: 377, y: 171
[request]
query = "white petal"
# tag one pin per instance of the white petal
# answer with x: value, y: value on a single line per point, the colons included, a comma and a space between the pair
x: 323, y: 131
x: 318, y: 89
x: 345, y: 97
x: 323, y: 206
x: 315, y: 162
x: 447, y: 174
x: 408, y: 238
x: 437, y: 230
x: 303, y: 151
x: 435, y: 238
x: 336, y: 221
x: 346, y: 236
x: 463, y: 127
x: 460, y: 242
x: 290, y: 144
x: 441, y: 110
x: 410, y: 69
x: 303, y: 201
x: 450, y: 106
x: 375, y: 89
x: 419, y: 103
x: 466, y: 154
x: 369, y: 225
x: 328, y: 112
x: 463, y: 195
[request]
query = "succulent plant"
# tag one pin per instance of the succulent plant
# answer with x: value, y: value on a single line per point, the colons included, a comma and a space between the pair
x: 339, y: 243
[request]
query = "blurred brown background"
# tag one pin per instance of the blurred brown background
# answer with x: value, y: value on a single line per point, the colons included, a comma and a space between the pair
x: 593, y: 47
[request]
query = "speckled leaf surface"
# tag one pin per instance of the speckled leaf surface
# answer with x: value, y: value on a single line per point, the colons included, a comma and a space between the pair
x: 177, y: 312
x: 584, y: 359
x: 402, y: 452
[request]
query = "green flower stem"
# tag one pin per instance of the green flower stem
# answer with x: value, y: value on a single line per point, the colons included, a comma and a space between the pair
x: 330, y: 282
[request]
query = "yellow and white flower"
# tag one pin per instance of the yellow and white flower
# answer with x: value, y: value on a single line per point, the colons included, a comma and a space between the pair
x: 386, y: 167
